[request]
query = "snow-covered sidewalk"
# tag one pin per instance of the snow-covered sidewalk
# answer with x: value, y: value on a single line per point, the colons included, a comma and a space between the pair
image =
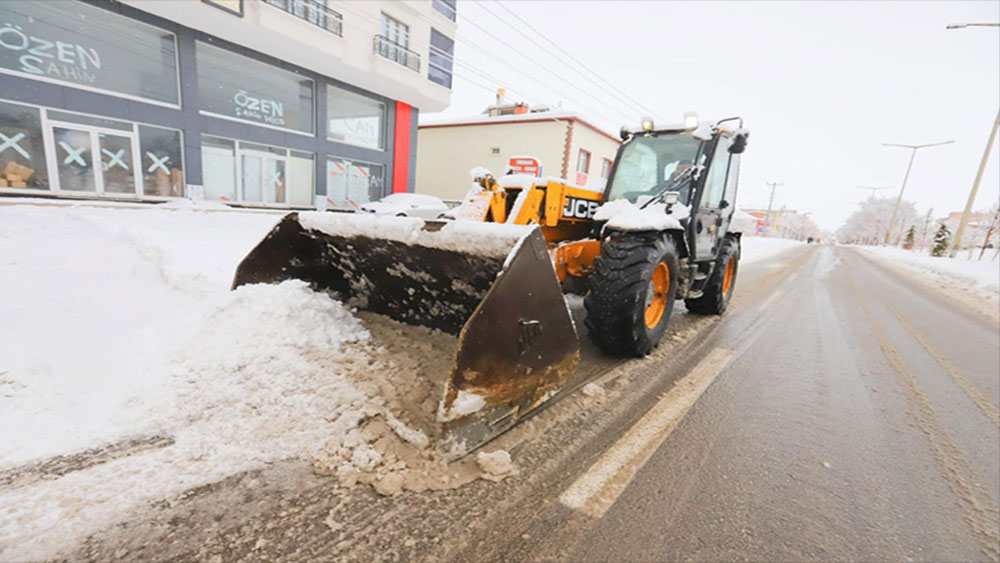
x: 976, y: 283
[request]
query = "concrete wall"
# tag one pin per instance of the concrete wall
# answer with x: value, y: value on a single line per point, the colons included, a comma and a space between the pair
x: 448, y: 153
x: 350, y: 58
x: 600, y: 146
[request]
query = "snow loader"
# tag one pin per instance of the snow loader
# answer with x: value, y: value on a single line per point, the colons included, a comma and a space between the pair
x: 494, y: 272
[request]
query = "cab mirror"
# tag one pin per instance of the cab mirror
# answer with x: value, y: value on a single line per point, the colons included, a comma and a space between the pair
x: 739, y: 144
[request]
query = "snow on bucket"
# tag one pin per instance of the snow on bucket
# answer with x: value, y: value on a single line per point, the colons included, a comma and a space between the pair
x: 491, y: 285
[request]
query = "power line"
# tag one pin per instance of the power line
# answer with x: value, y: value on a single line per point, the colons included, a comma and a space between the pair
x: 472, y: 68
x: 536, y: 63
x: 636, y: 104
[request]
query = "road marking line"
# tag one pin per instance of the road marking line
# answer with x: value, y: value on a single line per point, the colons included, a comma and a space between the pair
x: 597, y: 489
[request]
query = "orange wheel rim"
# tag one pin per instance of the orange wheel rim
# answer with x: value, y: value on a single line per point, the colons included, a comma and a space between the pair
x: 727, y: 280
x: 656, y: 296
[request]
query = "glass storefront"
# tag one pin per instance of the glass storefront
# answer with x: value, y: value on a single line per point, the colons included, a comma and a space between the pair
x: 162, y: 171
x: 87, y: 154
x: 351, y: 183
x: 245, y: 172
x: 22, y: 148
x: 354, y: 119
x: 239, y: 87
x: 66, y: 46
x: 84, y: 46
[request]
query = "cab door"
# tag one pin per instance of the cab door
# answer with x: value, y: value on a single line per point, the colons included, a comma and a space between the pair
x: 708, y: 220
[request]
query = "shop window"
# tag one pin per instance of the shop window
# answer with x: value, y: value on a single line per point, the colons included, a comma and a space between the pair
x: 22, y: 151
x: 350, y: 183
x: 238, y: 171
x: 239, y: 87
x: 88, y: 47
x: 355, y: 119
x: 218, y: 168
x: 583, y: 162
x: 441, y: 60
x: 162, y: 166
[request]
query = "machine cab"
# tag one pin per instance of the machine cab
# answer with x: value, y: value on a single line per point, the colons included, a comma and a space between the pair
x: 700, y: 164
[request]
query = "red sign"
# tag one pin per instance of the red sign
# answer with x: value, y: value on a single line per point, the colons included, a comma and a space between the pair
x: 581, y: 179
x: 524, y: 165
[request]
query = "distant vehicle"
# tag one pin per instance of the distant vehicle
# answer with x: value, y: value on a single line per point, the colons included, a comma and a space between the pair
x: 407, y: 205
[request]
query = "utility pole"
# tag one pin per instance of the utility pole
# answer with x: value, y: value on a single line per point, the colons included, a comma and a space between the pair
x: 923, y: 233
x: 975, y: 188
x: 770, y: 203
x: 982, y: 163
x: 899, y: 199
x: 872, y: 189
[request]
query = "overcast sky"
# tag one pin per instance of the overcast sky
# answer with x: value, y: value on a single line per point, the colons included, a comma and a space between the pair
x: 821, y: 85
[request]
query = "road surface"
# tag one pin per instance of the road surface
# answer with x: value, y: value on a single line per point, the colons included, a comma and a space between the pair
x: 837, y: 411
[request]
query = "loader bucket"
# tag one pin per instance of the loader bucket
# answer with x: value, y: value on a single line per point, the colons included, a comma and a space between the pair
x: 492, y: 285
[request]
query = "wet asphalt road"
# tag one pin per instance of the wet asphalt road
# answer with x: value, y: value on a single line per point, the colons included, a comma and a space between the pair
x: 857, y: 421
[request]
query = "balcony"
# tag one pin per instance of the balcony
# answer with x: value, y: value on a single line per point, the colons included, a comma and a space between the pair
x: 396, y: 53
x: 314, y: 12
x: 446, y: 7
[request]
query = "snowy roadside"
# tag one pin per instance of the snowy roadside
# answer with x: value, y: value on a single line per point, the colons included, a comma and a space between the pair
x: 759, y: 249
x: 974, y: 283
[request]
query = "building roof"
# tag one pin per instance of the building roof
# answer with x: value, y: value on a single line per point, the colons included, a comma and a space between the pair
x: 483, y: 119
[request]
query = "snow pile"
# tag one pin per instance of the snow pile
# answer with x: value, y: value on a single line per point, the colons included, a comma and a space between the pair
x: 622, y: 215
x: 974, y: 282
x: 496, y: 464
x: 484, y: 239
x: 92, y: 297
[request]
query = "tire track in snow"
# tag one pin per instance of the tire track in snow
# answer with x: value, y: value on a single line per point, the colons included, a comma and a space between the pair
x: 981, y: 516
x: 989, y: 410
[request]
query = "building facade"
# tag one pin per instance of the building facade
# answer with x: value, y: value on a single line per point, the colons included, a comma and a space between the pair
x: 567, y: 146
x: 277, y: 103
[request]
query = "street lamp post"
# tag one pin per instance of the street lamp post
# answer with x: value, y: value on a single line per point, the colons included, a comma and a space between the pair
x: 967, y: 212
x: 964, y: 25
x: 895, y: 209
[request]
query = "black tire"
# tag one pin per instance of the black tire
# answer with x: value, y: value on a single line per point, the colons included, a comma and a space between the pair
x: 715, y: 298
x: 620, y: 292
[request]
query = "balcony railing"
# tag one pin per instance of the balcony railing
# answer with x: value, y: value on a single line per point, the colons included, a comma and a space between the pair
x: 314, y: 12
x: 396, y: 52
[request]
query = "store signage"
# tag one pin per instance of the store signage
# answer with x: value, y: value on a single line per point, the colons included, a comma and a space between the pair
x: 524, y: 165
x: 71, y: 42
x: 54, y: 58
x: 278, y: 98
x: 260, y: 109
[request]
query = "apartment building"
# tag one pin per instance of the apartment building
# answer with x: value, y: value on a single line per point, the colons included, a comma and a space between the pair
x: 276, y: 103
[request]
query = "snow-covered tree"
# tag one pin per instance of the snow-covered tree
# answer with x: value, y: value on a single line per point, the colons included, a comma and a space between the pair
x: 868, y: 224
x: 910, y: 239
x: 941, y: 240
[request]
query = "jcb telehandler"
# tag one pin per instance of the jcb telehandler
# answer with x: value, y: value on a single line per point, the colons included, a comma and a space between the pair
x: 495, y: 275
